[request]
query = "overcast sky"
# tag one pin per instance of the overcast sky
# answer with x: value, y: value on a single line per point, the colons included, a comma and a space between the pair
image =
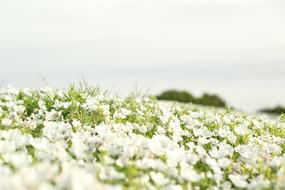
x: 235, y: 48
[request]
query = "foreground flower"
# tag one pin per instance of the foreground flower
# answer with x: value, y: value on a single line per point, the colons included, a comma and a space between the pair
x: 238, y: 180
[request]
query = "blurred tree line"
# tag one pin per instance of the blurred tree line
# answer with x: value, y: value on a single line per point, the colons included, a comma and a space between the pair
x: 186, y: 97
x: 276, y: 110
x: 207, y: 100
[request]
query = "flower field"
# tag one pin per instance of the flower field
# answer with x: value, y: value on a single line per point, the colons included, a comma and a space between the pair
x: 81, y: 139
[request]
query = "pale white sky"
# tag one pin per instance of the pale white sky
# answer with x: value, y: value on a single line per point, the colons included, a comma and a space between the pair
x: 232, y: 47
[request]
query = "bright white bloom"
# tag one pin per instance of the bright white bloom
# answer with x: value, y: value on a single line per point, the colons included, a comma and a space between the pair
x: 110, y: 173
x: 76, y: 123
x: 91, y: 103
x: 256, y: 123
x: 223, y: 150
x: 258, y: 183
x: 106, y: 109
x: 224, y: 132
x: 203, y: 140
x: 202, y: 132
x: 19, y: 109
x: 6, y: 122
x: 241, y: 130
x: 232, y: 138
x: 201, y: 151
x: 52, y: 115
x: 226, y: 185
x: 273, y: 149
x: 158, y: 178
x: 172, y: 187
x: 238, y: 180
x: 224, y: 162
x: 78, y: 145
x: 54, y: 130
x: 125, y: 112
x: 66, y: 105
x: 18, y: 159
x: 247, y: 152
x: 7, y: 147
x: 159, y: 144
x: 277, y: 162
x: 175, y: 157
x: 190, y: 175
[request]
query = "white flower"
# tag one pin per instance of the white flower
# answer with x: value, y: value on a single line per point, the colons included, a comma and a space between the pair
x: 125, y: 112
x: 106, y: 109
x: 278, y: 140
x: 141, y: 129
x: 159, y: 144
x: 196, y: 115
x: 257, y: 124
x: 76, y: 123
x: 27, y: 91
x: 78, y: 146
x: 215, y: 153
x: 158, y: 178
x: 190, y: 175
x: 277, y: 162
x: 52, y: 115
x: 223, y: 150
x: 201, y: 151
x: 110, y: 173
x: 247, y: 152
x: 118, y: 115
x: 202, y: 132
x: 258, y: 183
x: 19, y: 109
x: 226, y: 185
x: 10, y: 104
x: 160, y: 130
x: 165, y: 116
x: 18, y: 159
x: 66, y: 105
x: 273, y: 149
x: 91, y: 104
x: 172, y: 187
x: 222, y: 132
x: 57, y: 104
x: 203, y: 141
x: 7, y: 147
x: 232, y: 138
x: 224, y: 162
x: 212, y: 163
x: 241, y: 130
x: 6, y: 122
x: 238, y: 180
x: 56, y: 130
x: 174, y: 157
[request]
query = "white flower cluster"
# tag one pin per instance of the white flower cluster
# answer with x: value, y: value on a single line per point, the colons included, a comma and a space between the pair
x: 82, y: 139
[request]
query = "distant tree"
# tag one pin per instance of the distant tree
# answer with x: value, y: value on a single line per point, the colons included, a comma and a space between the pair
x: 183, y: 96
x: 173, y: 95
x: 276, y: 110
x: 211, y: 100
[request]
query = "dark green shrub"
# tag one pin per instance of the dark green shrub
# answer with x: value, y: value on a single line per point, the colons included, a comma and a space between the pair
x: 183, y: 96
x: 276, y: 110
x: 173, y: 95
x: 211, y: 100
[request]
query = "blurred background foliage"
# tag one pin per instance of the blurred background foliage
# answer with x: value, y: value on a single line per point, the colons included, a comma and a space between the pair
x: 183, y: 96
x: 208, y: 100
x: 275, y: 110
